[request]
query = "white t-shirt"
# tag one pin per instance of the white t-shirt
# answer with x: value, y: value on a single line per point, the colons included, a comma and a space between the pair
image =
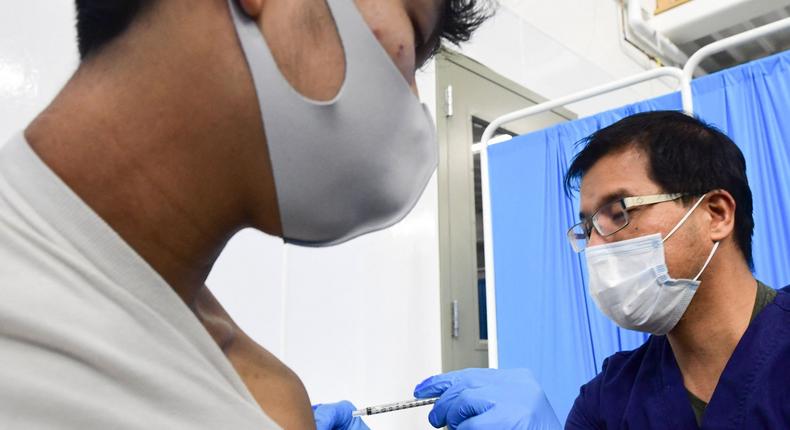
x: 91, y: 337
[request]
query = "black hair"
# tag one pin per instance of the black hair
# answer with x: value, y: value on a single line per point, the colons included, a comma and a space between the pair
x: 100, y: 21
x: 685, y: 155
x: 459, y: 19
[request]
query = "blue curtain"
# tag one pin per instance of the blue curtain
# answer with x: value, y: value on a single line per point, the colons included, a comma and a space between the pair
x: 546, y: 321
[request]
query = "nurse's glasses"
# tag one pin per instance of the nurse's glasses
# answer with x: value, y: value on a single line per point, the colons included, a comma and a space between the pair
x: 611, y: 218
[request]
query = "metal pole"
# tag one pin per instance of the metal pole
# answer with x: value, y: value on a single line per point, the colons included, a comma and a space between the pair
x: 722, y: 45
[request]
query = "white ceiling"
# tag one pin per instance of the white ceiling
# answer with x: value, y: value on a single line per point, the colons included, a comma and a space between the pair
x: 771, y: 44
x: 698, y: 23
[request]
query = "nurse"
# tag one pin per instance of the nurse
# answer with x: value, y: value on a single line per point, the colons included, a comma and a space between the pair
x: 666, y: 228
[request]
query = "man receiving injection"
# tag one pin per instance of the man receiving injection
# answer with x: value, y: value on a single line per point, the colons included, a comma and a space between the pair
x: 177, y: 131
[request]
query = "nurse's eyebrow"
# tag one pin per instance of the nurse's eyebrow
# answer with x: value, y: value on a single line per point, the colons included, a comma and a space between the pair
x: 610, y: 197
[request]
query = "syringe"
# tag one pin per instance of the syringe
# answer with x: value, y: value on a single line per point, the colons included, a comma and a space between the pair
x: 397, y: 406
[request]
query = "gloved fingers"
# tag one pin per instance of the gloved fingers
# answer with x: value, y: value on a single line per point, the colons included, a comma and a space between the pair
x: 333, y: 416
x: 357, y: 424
x: 484, y: 422
x: 342, y: 413
x: 498, y: 419
x: 466, y: 406
x: 434, y: 386
x: 512, y: 418
x: 547, y: 419
x: 438, y: 415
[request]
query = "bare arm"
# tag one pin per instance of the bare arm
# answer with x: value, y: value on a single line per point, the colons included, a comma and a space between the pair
x: 277, y: 388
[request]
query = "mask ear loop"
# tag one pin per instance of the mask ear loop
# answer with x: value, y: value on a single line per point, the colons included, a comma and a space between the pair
x: 710, y: 257
x: 685, y: 217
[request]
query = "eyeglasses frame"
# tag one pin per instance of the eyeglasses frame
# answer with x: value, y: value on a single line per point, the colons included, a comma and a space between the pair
x: 627, y: 203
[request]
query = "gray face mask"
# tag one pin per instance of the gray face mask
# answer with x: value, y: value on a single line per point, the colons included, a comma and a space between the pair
x: 350, y: 166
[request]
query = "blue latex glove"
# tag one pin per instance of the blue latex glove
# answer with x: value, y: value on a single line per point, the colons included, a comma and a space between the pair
x: 337, y: 416
x: 488, y: 399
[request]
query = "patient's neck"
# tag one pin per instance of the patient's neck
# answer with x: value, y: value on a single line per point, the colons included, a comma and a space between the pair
x: 140, y: 147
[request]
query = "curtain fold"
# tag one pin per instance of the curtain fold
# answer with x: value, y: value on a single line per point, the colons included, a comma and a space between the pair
x: 546, y: 321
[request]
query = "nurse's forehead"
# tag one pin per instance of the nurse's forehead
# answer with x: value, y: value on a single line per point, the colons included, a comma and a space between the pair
x: 621, y: 174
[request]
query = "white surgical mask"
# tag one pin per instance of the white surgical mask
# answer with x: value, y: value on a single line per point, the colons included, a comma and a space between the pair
x: 630, y: 283
x: 352, y: 165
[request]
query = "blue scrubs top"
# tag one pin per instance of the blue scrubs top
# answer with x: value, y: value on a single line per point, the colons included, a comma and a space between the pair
x: 643, y: 388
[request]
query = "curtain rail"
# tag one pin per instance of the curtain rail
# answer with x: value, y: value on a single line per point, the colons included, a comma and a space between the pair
x: 722, y: 45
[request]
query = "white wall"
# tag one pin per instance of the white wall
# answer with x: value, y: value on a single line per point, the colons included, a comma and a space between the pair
x: 359, y: 321
x: 38, y: 54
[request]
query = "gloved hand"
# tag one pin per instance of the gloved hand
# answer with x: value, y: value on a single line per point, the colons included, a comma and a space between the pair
x: 488, y: 399
x: 337, y: 416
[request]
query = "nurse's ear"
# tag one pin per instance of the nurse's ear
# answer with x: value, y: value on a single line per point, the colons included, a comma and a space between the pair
x: 252, y: 8
x: 720, y: 208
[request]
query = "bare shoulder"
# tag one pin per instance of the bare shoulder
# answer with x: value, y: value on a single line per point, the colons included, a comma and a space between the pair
x: 278, y: 390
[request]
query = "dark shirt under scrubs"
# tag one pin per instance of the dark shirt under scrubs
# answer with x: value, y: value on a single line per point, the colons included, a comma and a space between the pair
x: 643, y: 388
x: 765, y: 295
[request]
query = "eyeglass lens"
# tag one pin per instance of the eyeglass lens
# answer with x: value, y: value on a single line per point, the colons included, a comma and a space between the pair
x: 608, y: 220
